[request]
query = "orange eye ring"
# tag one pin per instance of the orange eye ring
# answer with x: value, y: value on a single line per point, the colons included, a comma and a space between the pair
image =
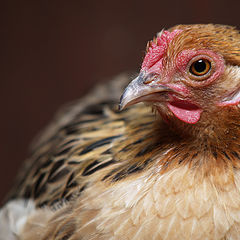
x: 200, y: 67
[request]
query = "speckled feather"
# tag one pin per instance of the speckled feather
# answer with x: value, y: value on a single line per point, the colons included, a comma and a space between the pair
x: 97, y: 173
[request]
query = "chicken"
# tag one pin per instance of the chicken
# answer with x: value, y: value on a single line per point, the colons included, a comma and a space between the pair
x: 166, y: 168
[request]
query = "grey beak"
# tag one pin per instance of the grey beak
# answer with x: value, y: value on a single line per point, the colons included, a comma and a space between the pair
x: 141, y: 90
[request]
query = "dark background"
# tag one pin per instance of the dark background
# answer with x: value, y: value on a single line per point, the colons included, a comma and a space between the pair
x: 54, y: 51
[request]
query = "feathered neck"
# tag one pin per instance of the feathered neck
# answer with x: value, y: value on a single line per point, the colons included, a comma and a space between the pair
x: 213, y: 142
x: 221, y: 126
x: 212, y: 145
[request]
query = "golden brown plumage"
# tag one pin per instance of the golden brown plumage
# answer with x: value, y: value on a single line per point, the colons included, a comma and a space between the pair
x: 166, y: 171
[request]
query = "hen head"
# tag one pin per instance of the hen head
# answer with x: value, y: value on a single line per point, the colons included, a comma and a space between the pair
x: 189, y: 73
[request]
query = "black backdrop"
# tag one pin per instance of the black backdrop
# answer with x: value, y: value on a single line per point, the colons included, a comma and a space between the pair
x: 54, y: 51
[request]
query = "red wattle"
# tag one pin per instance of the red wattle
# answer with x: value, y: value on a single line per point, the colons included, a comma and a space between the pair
x: 185, y: 111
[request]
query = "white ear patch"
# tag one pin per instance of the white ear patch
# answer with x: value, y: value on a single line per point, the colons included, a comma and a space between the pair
x: 13, y: 216
x: 233, y: 98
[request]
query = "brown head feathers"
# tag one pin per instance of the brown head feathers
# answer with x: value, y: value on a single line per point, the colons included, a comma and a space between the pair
x: 220, y: 38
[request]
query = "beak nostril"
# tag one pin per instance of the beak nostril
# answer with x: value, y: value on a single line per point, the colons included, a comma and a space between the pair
x: 148, y: 80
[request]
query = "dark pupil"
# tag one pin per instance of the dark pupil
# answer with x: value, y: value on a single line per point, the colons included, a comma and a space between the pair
x: 200, y: 66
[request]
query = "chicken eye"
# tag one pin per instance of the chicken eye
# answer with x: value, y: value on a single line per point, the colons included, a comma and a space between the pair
x: 200, y: 67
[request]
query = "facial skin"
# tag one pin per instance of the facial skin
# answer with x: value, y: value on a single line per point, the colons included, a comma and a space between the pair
x: 185, y: 82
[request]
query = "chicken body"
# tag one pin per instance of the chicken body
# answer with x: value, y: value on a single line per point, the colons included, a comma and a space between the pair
x: 171, y: 173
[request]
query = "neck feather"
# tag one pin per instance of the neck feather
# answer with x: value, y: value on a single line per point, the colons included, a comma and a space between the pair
x: 213, y: 142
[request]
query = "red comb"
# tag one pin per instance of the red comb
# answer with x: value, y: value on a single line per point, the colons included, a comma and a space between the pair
x: 157, y: 50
